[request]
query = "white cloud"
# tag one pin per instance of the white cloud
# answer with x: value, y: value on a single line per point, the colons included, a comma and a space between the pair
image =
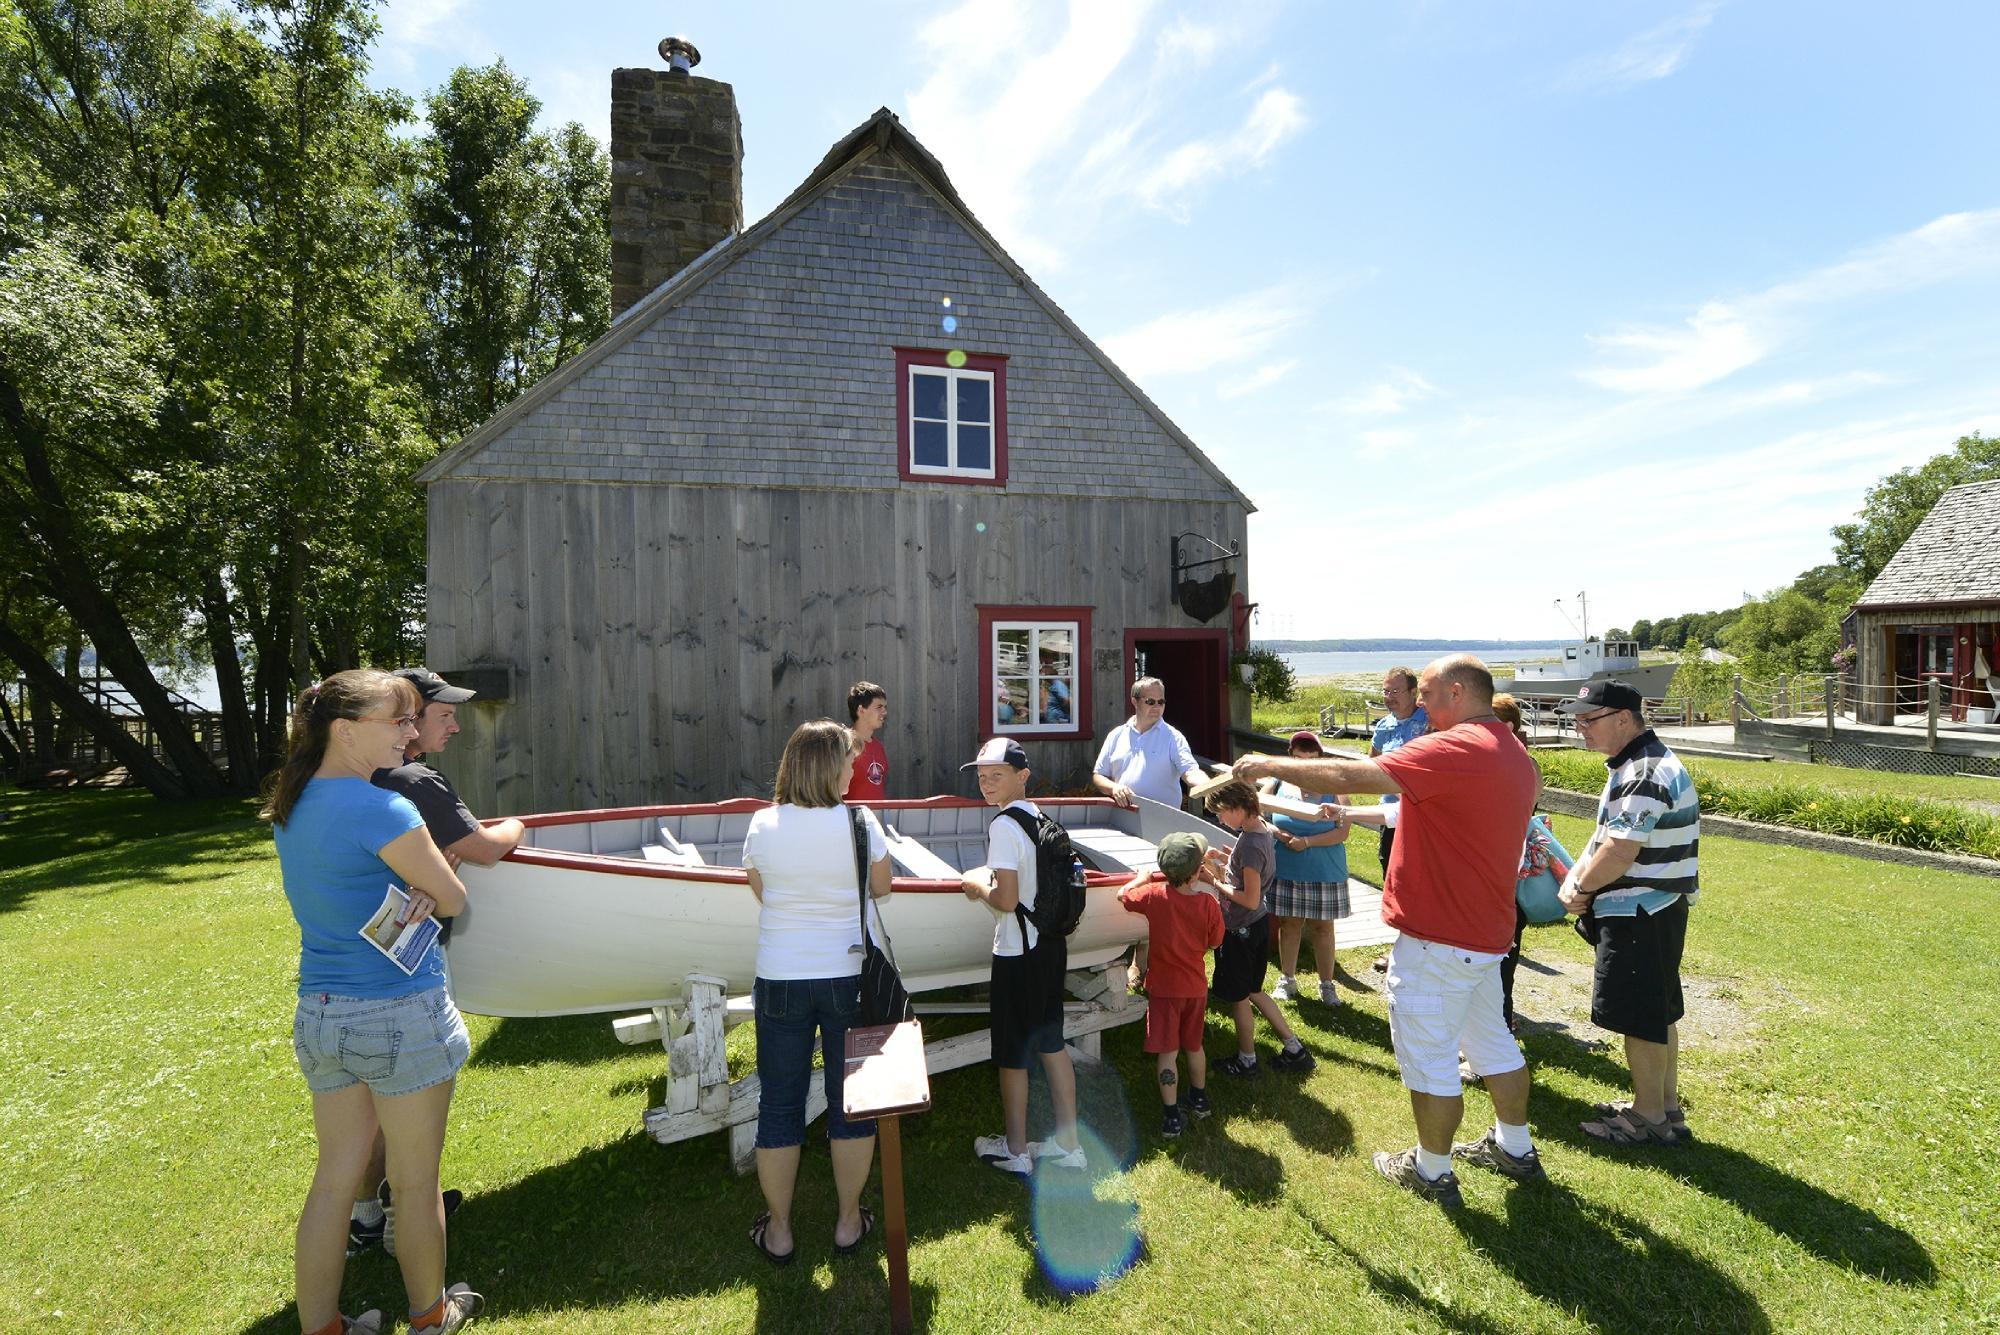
x: 1262, y: 378
x: 1394, y: 395
x: 1723, y: 337
x: 1188, y: 44
x: 408, y: 25
x: 1276, y: 116
x: 1241, y: 329
x: 1652, y: 54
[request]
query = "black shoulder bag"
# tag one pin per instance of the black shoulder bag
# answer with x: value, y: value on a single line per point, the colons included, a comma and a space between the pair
x: 884, y: 999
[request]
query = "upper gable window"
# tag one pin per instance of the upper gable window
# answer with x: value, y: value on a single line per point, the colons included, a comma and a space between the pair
x: 951, y: 420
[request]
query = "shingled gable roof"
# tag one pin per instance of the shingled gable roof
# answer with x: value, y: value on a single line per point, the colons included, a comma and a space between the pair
x: 881, y: 134
x: 1953, y: 557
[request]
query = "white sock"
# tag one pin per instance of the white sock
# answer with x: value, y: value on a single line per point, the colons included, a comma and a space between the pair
x: 1247, y: 1058
x: 1293, y: 1045
x: 1432, y: 1166
x: 1513, y: 1139
x: 368, y: 1213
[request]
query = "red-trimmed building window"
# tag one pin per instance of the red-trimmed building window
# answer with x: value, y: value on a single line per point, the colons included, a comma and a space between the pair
x: 1034, y: 672
x: 951, y: 421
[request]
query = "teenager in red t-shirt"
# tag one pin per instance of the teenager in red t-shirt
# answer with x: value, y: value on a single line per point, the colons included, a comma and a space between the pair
x: 867, y: 711
x: 1183, y: 923
x: 1467, y: 789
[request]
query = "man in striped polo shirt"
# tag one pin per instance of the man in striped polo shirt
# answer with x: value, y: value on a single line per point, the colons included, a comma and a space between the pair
x: 1633, y: 886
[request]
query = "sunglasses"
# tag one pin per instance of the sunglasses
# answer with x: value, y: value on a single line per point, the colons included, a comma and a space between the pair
x: 1148, y: 700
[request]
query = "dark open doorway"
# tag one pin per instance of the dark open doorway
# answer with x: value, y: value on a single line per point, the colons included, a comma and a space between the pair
x: 1194, y: 666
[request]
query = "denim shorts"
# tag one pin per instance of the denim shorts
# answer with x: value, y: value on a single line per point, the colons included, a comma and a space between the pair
x: 789, y: 1013
x: 394, y: 1045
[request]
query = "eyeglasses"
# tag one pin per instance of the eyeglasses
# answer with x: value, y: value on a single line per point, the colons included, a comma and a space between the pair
x: 1582, y: 719
x: 1148, y: 700
x: 399, y: 721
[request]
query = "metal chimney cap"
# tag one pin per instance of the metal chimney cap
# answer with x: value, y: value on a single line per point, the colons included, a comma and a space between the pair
x: 679, y: 53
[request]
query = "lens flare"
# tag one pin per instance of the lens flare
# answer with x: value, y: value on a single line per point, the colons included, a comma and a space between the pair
x: 955, y: 358
x: 947, y: 303
x: 1086, y: 1224
x: 950, y: 323
x: 979, y: 527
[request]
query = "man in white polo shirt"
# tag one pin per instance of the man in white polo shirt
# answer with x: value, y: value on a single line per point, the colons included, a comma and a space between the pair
x: 1146, y: 756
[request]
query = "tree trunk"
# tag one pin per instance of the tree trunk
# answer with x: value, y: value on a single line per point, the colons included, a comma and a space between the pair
x: 238, y: 729
x: 100, y: 722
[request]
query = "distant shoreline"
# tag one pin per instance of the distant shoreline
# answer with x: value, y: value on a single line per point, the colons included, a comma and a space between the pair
x: 1395, y: 646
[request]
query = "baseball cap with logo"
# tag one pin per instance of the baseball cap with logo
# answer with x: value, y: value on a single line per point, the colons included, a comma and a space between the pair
x: 1604, y: 694
x: 1180, y: 855
x: 435, y: 689
x: 999, y: 751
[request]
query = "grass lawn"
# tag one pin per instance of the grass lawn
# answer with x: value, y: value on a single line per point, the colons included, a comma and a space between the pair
x: 155, y: 1141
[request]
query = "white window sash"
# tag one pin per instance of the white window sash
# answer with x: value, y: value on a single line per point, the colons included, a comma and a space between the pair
x: 1035, y: 678
x: 992, y: 423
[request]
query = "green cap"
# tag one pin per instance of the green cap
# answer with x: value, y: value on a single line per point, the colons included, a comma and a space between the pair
x: 1181, y: 854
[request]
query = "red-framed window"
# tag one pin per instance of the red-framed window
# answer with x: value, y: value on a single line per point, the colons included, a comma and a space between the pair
x: 1034, y: 672
x: 951, y: 421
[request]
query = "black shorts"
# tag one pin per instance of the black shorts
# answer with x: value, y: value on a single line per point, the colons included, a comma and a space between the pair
x: 1388, y: 845
x: 1637, y: 990
x: 1026, y: 1007
x: 1240, y: 962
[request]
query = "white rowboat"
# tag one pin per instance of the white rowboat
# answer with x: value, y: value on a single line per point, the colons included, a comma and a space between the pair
x: 609, y: 911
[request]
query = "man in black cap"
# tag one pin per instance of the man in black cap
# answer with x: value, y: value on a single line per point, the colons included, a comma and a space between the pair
x: 461, y: 839
x: 1633, y: 886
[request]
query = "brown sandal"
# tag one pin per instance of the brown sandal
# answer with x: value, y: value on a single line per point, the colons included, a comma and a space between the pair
x: 1629, y: 1128
x: 1677, y: 1118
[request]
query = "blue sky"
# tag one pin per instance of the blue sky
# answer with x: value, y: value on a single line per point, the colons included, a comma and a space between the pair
x: 1482, y: 304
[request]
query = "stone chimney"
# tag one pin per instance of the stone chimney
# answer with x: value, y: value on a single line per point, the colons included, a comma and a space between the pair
x: 676, y: 171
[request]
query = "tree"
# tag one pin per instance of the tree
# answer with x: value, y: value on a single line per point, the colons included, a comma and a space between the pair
x: 1895, y: 506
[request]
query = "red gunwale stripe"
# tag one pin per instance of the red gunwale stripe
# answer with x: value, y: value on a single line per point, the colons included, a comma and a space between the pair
x: 607, y: 865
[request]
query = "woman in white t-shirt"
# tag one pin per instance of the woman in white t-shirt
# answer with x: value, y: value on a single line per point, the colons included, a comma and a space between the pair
x: 799, y: 854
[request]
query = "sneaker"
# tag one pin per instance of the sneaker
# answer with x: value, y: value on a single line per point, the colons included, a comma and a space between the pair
x: 1196, y: 1104
x: 1286, y: 990
x: 1293, y: 1059
x: 368, y: 1323
x: 1171, y: 1123
x: 1047, y: 1151
x: 1240, y: 1067
x: 1487, y: 1153
x: 1401, y: 1170
x: 1329, y: 995
x: 993, y: 1150
x: 362, y: 1236
x: 461, y: 1304
x: 385, y: 1232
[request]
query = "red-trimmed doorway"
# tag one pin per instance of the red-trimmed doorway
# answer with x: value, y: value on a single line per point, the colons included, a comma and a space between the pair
x: 1194, y: 666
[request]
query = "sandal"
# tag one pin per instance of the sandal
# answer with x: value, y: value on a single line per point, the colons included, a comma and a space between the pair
x: 1629, y: 1128
x: 867, y: 1227
x: 1677, y: 1118
x: 757, y: 1232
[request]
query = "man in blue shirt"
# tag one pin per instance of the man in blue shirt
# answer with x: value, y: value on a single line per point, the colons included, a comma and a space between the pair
x: 1405, y: 722
x: 1146, y: 756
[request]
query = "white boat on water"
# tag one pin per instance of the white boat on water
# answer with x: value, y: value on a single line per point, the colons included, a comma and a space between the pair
x: 609, y: 911
x: 1586, y: 660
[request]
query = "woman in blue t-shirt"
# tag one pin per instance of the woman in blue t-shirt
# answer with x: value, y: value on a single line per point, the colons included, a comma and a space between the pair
x: 378, y: 1046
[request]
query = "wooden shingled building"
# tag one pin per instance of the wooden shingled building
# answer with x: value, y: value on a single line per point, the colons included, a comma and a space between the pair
x: 852, y: 441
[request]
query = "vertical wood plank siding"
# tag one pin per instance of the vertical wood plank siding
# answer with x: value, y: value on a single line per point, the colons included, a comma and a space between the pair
x: 666, y: 638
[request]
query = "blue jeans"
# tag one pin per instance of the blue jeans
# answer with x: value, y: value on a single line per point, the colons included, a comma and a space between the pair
x: 789, y: 1012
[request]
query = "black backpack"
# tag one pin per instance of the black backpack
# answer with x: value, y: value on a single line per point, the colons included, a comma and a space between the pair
x: 1059, y: 878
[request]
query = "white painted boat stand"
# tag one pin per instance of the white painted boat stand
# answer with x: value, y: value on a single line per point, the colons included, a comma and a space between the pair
x: 701, y: 1098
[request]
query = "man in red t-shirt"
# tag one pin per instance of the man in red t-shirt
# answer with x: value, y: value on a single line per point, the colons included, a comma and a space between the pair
x: 867, y: 711
x: 1468, y: 789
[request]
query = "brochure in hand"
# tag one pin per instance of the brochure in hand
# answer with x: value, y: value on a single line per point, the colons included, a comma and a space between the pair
x: 403, y: 942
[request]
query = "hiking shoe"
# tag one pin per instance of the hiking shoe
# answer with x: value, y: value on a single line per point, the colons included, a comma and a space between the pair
x: 1401, y: 1170
x: 993, y: 1150
x: 1243, y: 1068
x: 1286, y: 990
x: 1293, y: 1059
x: 461, y: 1304
x: 1487, y: 1153
x: 1047, y: 1151
x: 1196, y: 1104
x: 1171, y: 1124
x: 385, y: 1232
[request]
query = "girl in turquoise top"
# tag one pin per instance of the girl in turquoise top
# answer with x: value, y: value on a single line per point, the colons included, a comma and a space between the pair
x: 1310, y: 886
x: 377, y: 1047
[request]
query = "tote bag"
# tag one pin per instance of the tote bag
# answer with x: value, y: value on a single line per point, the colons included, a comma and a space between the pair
x: 884, y: 999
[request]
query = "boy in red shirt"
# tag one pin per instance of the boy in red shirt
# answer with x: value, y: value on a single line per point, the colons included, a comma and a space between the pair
x: 1184, y: 923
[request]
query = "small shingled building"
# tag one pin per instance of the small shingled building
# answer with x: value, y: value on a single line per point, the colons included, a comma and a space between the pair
x: 855, y: 441
x: 1933, y: 614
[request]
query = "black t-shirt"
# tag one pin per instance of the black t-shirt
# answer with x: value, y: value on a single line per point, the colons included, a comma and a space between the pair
x: 435, y: 799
